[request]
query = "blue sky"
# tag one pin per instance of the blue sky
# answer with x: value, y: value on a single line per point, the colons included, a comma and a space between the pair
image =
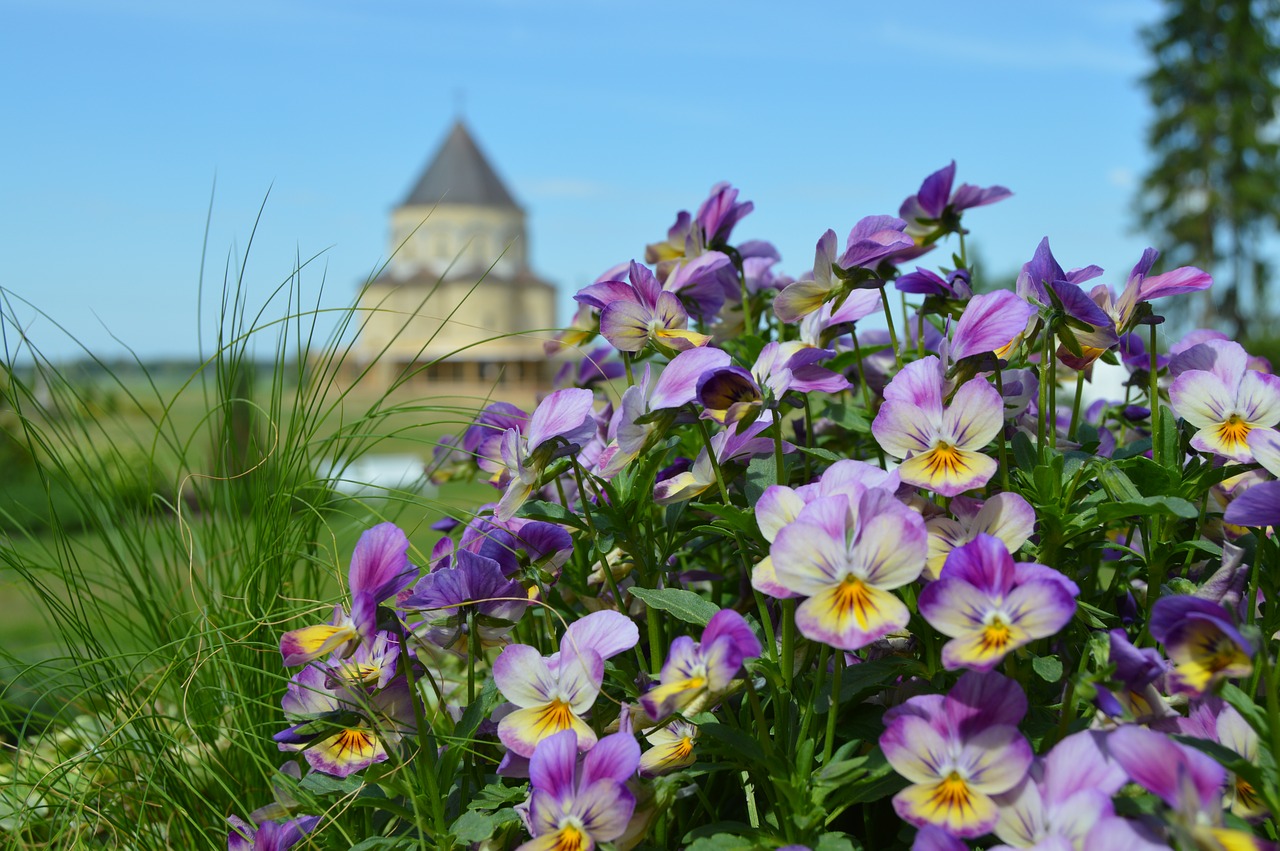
x: 604, y: 119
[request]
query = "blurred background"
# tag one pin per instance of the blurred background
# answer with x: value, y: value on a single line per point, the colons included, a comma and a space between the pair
x: 144, y: 138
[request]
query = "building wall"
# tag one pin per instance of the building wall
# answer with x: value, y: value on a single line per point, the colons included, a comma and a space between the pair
x: 465, y: 239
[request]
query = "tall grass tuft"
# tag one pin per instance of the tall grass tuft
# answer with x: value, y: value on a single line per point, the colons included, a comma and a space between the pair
x: 153, y: 549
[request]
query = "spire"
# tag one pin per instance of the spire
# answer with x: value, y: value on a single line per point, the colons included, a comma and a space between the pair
x: 460, y: 174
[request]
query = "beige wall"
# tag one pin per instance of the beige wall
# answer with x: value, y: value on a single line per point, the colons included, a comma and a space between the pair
x: 458, y: 319
x: 466, y: 239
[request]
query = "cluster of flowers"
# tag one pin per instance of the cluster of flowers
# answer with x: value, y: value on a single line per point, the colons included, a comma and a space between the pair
x: 771, y: 468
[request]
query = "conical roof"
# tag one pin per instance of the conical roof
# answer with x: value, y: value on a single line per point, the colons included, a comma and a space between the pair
x: 460, y: 174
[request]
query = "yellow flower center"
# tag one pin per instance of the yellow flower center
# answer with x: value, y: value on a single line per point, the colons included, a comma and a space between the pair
x: 1233, y: 432
x: 951, y: 793
x: 852, y: 597
x: 683, y: 748
x: 358, y: 743
x: 555, y: 716
x: 995, y: 636
x: 945, y: 460
x: 571, y: 838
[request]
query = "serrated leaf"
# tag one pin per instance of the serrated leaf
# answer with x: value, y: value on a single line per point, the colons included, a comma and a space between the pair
x: 685, y: 605
x: 385, y: 843
x: 1048, y: 668
x: 740, y: 743
x: 474, y: 826
x: 325, y: 784
x: 762, y: 471
x: 835, y: 842
x: 868, y: 676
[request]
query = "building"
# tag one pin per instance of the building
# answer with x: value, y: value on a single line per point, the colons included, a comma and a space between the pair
x: 457, y: 310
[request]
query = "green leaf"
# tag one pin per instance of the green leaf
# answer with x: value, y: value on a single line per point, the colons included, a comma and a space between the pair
x: 821, y: 454
x: 1024, y: 452
x: 761, y: 472
x: 474, y: 826
x: 552, y: 513
x: 385, y: 843
x: 849, y: 418
x: 724, y: 842
x: 1145, y: 506
x: 1048, y: 668
x: 324, y: 784
x: 685, y: 605
x: 1117, y: 485
x: 835, y: 842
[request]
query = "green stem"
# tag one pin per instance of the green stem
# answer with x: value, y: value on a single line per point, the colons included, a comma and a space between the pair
x: 833, y: 707
x: 1000, y: 438
x: 788, y: 642
x: 1075, y: 407
x: 1046, y: 358
x: 626, y: 363
x: 893, y: 334
x: 1153, y: 396
x: 866, y: 392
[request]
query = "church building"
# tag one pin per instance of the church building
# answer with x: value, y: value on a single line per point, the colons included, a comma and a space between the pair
x: 458, y: 310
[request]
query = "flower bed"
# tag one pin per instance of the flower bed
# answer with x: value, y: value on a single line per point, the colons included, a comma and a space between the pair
x: 809, y: 583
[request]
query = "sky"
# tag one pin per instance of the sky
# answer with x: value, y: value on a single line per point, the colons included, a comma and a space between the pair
x: 142, y: 141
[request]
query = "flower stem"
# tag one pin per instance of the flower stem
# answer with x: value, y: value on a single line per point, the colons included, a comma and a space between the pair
x: 1153, y: 396
x: 893, y: 334
x: 1001, y: 441
x: 1075, y: 407
x: 833, y: 707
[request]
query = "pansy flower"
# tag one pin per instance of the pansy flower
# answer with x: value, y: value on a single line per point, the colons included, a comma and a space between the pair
x: 269, y: 835
x: 846, y: 554
x: 736, y: 442
x: 935, y: 209
x: 1201, y: 642
x: 1226, y: 402
x: 989, y: 606
x: 634, y: 314
x: 942, y: 446
x: 872, y: 239
x: 451, y: 599
x: 552, y: 694
x: 562, y: 421
x: 380, y: 568
x: 672, y: 748
x: 1063, y: 796
x: 1217, y: 721
x: 1259, y: 506
x: 1188, y: 781
x: 572, y: 807
x: 1007, y: 516
x: 694, y: 671
x: 958, y: 752
x: 343, y: 730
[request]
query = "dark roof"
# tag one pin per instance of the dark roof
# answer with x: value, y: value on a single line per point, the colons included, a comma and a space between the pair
x: 460, y: 174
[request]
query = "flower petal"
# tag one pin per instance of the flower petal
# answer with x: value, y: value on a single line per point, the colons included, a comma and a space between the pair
x: 850, y: 615
x: 947, y: 470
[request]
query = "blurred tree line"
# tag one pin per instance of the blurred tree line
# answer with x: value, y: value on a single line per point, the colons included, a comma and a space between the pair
x: 1212, y: 196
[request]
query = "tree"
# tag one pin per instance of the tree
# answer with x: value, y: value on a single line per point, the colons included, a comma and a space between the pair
x: 1213, y: 193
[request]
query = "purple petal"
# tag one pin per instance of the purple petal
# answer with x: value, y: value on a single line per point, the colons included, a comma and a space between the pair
x: 989, y: 323
x: 626, y: 325
x: 727, y: 623
x: 935, y: 191
x: 979, y: 700
x: 522, y: 676
x: 1082, y: 762
x: 564, y: 413
x: 380, y: 564
x: 604, y: 807
x: 678, y: 383
x: 552, y: 766
x: 975, y: 416
x: 606, y: 632
x: 1184, y: 279
x: 984, y: 563
x: 1259, y: 506
x: 614, y: 757
x: 1161, y: 766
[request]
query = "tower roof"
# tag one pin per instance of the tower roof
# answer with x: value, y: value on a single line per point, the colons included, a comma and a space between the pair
x: 460, y: 174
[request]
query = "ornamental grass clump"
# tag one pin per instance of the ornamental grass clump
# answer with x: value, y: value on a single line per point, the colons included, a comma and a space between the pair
x: 777, y: 566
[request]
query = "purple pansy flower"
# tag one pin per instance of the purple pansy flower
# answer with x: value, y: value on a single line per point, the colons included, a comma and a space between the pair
x: 572, y: 807
x: 562, y: 421
x: 696, y: 671
x: 935, y: 210
x: 268, y: 836
x: 1007, y: 516
x: 989, y: 606
x: 958, y: 752
x: 1226, y: 401
x: 380, y: 568
x: 846, y: 554
x: 941, y: 445
x: 1201, y: 642
x: 473, y: 590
